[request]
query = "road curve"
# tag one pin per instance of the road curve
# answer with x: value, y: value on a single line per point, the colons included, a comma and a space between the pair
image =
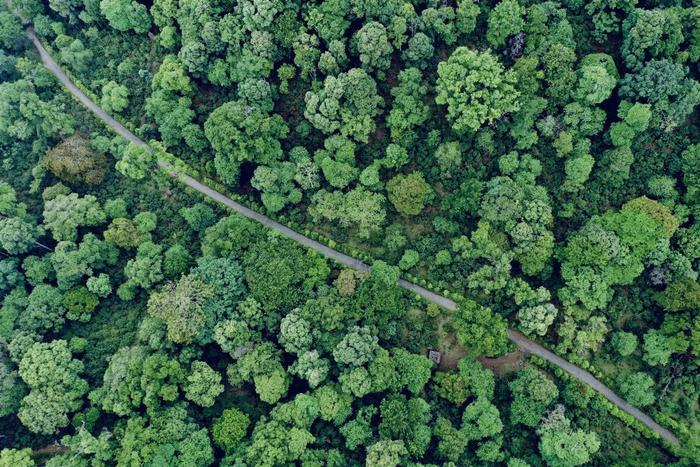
x: 520, y: 340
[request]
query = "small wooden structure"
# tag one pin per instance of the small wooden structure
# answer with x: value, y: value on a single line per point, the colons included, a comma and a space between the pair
x: 434, y: 356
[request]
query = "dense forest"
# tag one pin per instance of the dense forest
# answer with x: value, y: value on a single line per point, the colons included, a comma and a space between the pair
x: 536, y: 162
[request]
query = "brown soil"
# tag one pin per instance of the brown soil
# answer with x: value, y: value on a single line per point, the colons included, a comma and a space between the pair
x: 504, y: 364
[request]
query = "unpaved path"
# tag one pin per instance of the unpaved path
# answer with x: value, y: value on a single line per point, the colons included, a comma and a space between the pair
x: 520, y: 340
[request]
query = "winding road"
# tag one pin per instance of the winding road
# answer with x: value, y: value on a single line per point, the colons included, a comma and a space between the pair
x: 520, y: 340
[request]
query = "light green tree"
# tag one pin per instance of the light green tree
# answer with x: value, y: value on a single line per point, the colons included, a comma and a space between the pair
x: 475, y: 88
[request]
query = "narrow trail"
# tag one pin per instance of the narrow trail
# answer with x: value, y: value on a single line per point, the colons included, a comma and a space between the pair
x: 520, y: 340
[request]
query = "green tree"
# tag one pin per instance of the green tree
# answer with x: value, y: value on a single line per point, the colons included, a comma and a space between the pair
x: 360, y: 430
x: 373, y: 47
x: 144, y: 270
x: 100, y: 285
x: 347, y: 103
x: 295, y: 333
x: 203, y: 384
x: 55, y: 388
x: 199, y: 216
x: 124, y: 15
x: 272, y: 443
x: 420, y: 50
x: 10, y: 275
x: 595, y: 84
x: 181, y: 306
x: 11, y: 388
x: 360, y: 208
x: 311, y: 367
x: 667, y: 87
x: 657, y: 348
x: 356, y: 348
x: 532, y: 394
x: 408, y: 110
x: 505, y: 19
x: 124, y: 233
x: 136, y: 161
x: 230, y: 428
x: 650, y: 33
x: 16, y: 457
x: 638, y: 389
x: 80, y: 303
x: 413, y: 370
x: 475, y: 89
x: 537, y: 319
x: 231, y: 235
x: 65, y: 213
x: 10, y: 30
x: 115, y: 97
x: 239, y: 133
x: 74, y: 53
x: 406, y: 420
x: 481, y: 419
x: 337, y: 161
x: 386, y: 453
x: 17, y: 235
x: 568, y: 448
x: 44, y: 309
x: 409, y: 193
x: 479, y: 330
x: 625, y: 343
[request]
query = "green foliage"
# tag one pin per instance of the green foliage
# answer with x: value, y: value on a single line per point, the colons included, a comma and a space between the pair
x: 409, y: 193
x: 610, y: 250
x: 44, y: 309
x: 10, y: 30
x: 666, y: 86
x: 625, y: 343
x: 551, y: 179
x: 231, y: 235
x: 657, y: 348
x: 100, y: 285
x: 505, y: 19
x: 532, y: 393
x: 240, y: 133
x: 537, y: 319
x: 229, y: 430
x: 124, y: 233
x: 55, y: 388
x: 115, y: 97
x: 406, y: 420
x: 16, y: 457
x: 479, y: 330
x: 568, y: 448
x: 385, y: 453
x: 356, y: 348
x: 638, y: 389
x: 18, y: 235
x: 124, y: 15
x: 408, y: 110
x: 203, y: 384
x: 65, y: 213
x: 198, y: 217
x: 347, y: 103
x: 80, y: 303
x: 136, y: 161
x: 475, y: 89
x: 595, y: 84
x: 357, y: 208
x: 373, y: 47
x: 181, y: 306
x: 144, y: 270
